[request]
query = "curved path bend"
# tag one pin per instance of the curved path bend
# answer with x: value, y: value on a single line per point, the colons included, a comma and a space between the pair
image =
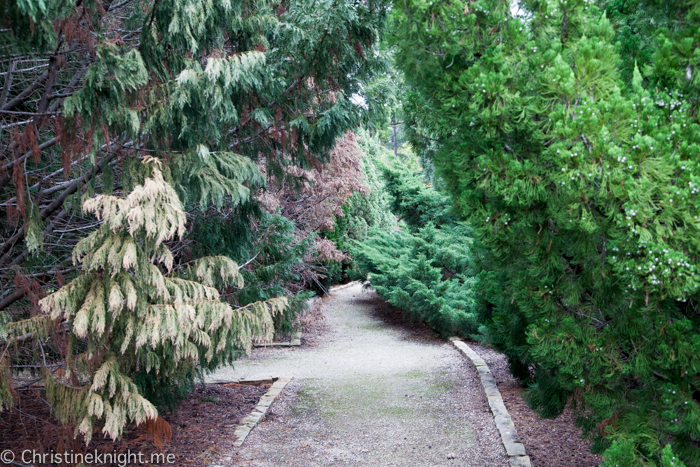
x: 373, y: 392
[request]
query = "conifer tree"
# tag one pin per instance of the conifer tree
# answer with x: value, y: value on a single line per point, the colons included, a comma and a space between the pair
x: 581, y: 186
x: 208, y: 93
x: 132, y: 315
x: 371, y: 210
x: 423, y: 266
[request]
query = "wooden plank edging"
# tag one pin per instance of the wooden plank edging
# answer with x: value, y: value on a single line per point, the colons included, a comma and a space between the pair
x: 296, y: 335
x: 509, y: 436
x: 295, y: 342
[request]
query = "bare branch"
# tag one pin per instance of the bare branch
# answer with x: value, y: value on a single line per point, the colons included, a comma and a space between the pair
x: 26, y: 93
x: 8, y: 83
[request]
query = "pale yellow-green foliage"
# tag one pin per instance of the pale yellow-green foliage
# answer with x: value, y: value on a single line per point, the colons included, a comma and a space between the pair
x: 5, y: 391
x: 39, y: 326
x: 212, y: 270
x: 128, y: 305
x: 35, y: 231
x: 152, y: 210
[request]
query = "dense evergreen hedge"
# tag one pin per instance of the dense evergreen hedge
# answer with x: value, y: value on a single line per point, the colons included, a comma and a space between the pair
x: 423, y: 266
x: 579, y: 172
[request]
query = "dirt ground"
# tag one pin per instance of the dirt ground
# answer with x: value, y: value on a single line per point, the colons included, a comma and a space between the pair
x: 201, y: 429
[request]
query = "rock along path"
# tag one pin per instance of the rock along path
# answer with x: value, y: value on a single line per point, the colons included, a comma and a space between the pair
x: 373, y: 393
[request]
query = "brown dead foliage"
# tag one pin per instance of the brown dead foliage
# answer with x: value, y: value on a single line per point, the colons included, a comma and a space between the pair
x: 319, y: 198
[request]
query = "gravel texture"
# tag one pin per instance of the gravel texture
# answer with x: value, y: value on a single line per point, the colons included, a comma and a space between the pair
x: 369, y: 391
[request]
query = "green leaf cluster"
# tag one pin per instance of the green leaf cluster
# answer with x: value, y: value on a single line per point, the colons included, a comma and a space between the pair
x: 423, y: 268
x: 581, y: 184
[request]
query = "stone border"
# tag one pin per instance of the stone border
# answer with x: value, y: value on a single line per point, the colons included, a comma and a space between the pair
x: 509, y: 436
x: 248, y: 423
x: 295, y: 342
x: 341, y: 287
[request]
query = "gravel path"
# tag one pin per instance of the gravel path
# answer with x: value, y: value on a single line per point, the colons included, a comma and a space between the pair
x: 370, y: 392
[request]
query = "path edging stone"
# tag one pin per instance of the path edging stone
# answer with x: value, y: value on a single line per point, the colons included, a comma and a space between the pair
x: 335, y: 288
x: 249, y: 422
x: 295, y: 342
x: 509, y: 436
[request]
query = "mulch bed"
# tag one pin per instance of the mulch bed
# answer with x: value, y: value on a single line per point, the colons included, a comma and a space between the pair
x: 549, y: 442
x: 202, y: 430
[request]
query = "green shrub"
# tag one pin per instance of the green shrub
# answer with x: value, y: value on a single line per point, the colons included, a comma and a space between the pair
x: 582, y: 188
x: 425, y: 274
x: 423, y: 268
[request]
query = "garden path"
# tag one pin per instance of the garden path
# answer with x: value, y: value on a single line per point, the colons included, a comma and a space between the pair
x: 371, y: 391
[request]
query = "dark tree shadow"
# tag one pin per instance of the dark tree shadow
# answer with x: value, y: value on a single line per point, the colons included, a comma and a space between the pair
x: 396, y: 319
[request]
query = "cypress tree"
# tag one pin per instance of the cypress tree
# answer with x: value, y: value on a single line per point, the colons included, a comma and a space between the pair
x: 580, y: 183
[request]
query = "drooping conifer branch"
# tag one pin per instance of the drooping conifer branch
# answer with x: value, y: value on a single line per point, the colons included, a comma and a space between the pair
x: 209, y: 96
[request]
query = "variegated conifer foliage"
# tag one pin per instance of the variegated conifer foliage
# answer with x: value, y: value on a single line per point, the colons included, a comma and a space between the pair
x: 131, y: 313
x: 88, y: 90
